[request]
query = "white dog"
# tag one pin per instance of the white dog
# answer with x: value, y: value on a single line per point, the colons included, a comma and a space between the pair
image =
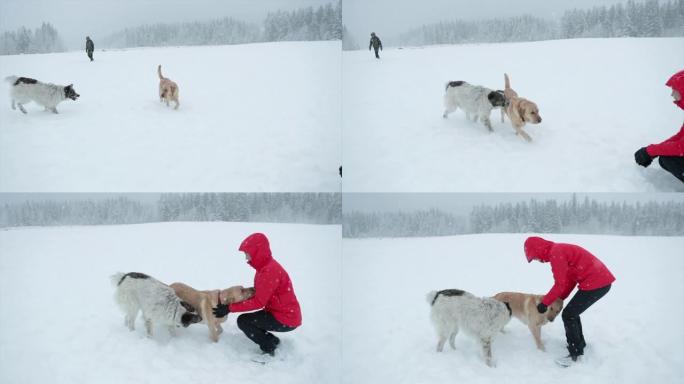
x: 159, y: 304
x: 476, y: 101
x: 482, y: 318
x: 24, y: 90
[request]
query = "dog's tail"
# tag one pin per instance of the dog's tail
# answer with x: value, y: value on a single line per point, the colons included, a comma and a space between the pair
x: 159, y: 72
x: 11, y: 79
x: 117, y: 278
x: 453, y: 84
x: 508, y: 82
x: 432, y: 297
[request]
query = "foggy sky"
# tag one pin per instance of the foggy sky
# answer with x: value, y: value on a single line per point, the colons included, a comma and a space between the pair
x: 391, y: 17
x: 76, y: 19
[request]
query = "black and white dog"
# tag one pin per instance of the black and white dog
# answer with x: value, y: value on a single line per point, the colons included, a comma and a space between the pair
x: 138, y: 292
x: 475, y: 100
x: 24, y: 89
x: 482, y: 318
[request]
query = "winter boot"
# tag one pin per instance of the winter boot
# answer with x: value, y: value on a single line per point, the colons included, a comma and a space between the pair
x: 568, y: 360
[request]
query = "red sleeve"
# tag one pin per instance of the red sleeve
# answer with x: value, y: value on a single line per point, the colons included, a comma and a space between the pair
x: 562, y: 285
x: 674, y: 146
x: 265, y: 284
x: 566, y: 292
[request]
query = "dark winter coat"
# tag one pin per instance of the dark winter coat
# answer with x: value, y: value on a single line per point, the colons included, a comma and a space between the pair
x: 571, y: 265
x: 90, y: 46
x: 674, y: 146
x: 375, y: 43
x: 273, y: 288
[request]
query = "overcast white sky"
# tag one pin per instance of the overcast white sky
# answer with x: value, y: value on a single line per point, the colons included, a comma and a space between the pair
x: 76, y: 19
x: 462, y: 203
x: 392, y: 17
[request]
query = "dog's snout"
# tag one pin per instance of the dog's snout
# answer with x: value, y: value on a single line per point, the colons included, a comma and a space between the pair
x: 539, y: 120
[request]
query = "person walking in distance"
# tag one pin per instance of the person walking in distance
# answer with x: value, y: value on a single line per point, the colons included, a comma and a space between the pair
x: 90, y: 47
x: 375, y: 43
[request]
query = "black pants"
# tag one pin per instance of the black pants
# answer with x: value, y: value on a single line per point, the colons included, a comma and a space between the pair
x: 571, y: 317
x: 674, y: 165
x: 90, y: 55
x: 256, y: 325
x: 376, y: 53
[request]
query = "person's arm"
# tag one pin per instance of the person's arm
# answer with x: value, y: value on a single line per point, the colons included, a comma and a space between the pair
x: 566, y: 291
x: 674, y: 146
x: 370, y: 44
x: 264, y: 286
x: 561, y: 285
x: 380, y: 42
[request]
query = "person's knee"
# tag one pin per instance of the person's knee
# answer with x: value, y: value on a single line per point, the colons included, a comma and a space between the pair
x: 242, y: 321
x: 568, y: 315
x: 664, y: 162
x: 673, y: 164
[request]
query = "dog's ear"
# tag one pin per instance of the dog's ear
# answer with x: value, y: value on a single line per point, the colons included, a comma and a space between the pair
x: 520, y: 110
x: 70, y: 85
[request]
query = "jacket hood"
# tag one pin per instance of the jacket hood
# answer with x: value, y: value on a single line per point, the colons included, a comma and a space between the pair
x: 537, y: 248
x: 677, y: 82
x: 258, y: 248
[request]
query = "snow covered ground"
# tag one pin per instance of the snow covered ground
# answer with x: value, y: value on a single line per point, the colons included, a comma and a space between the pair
x: 255, y: 117
x: 59, y: 322
x: 634, y: 333
x: 600, y: 100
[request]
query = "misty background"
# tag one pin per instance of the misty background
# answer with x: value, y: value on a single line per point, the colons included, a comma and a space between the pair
x: 366, y: 214
x: 33, y: 26
x: 45, y: 209
x: 426, y: 214
x: 417, y: 23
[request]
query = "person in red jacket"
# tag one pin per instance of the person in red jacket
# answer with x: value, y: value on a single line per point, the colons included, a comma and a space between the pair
x: 670, y: 153
x: 571, y: 265
x: 274, y: 297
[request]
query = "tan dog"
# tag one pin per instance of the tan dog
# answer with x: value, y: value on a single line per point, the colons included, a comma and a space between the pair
x: 524, y: 308
x: 204, y: 301
x: 168, y: 90
x: 520, y: 110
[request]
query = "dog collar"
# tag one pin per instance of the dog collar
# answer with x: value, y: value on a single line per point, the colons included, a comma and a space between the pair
x: 510, y: 312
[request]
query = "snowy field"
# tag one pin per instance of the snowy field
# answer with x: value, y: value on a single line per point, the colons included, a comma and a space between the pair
x: 60, y: 323
x: 600, y: 101
x: 255, y: 117
x: 634, y: 333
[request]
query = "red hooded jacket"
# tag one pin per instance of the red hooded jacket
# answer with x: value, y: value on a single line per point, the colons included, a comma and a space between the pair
x: 570, y: 264
x: 674, y: 146
x: 273, y: 287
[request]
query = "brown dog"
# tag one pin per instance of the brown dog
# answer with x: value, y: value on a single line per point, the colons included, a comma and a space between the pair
x: 168, y: 90
x: 524, y: 308
x: 520, y: 110
x: 204, y: 301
